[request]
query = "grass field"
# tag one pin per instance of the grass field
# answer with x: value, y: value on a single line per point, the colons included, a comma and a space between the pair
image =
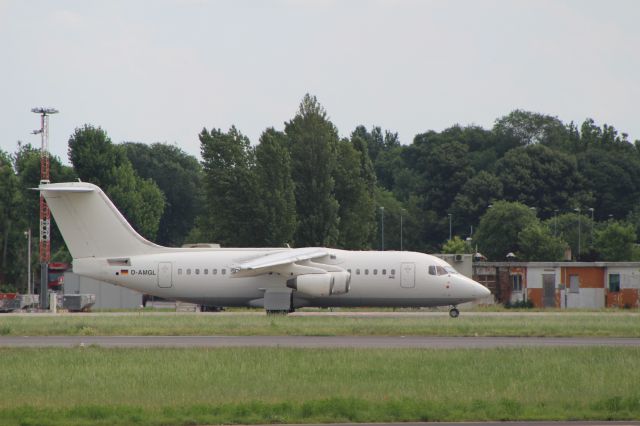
x: 257, y: 385
x: 562, y: 324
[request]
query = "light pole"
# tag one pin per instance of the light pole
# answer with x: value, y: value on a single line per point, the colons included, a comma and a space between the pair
x: 450, y: 226
x: 382, y: 228
x: 555, y: 222
x: 591, y: 209
x: 579, y: 231
x: 27, y: 234
x: 401, y: 211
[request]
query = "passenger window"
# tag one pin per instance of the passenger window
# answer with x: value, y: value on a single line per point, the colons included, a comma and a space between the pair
x: 206, y: 271
x: 179, y: 271
x: 223, y: 271
x: 357, y: 271
x: 189, y: 271
x: 432, y: 270
x: 384, y: 272
x: 393, y: 272
x: 197, y: 271
x: 214, y: 271
x: 366, y: 272
x: 375, y: 272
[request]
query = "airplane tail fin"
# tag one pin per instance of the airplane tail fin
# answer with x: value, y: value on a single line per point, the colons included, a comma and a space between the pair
x: 90, y: 224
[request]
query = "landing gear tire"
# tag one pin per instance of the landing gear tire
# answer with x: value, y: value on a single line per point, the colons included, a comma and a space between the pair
x: 454, y: 312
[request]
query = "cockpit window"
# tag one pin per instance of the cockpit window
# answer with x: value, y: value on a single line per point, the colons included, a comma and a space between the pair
x: 450, y: 270
x: 441, y: 270
x: 432, y: 270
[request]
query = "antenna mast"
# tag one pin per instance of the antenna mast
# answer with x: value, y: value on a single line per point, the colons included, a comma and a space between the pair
x: 45, y: 213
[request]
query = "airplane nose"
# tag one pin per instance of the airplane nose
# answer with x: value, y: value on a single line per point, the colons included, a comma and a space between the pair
x: 484, y: 292
x: 477, y: 290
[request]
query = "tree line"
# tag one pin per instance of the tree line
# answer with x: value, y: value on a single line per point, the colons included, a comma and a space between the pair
x: 531, y: 185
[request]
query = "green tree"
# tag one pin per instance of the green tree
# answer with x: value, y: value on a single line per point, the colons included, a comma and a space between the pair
x: 443, y: 168
x: 615, y: 242
x: 93, y: 155
x: 276, y: 211
x: 537, y: 243
x: 613, y: 177
x: 10, y: 201
x: 179, y: 177
x: 355, y: 183
x: 456, y: 245
x: 384, y: 152
x: 543, y: 178
x: 531, y: 128
x: 27, y: 166
x: 97, y: 160
x: 400, y: 223
x: 313, y: 142
x: 230, y: 188
x: 575, y: 230
x: 475, y: 197
x: 500, y: 227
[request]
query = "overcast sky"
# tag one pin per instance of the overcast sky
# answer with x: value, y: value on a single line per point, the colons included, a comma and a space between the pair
x: 160, y: 71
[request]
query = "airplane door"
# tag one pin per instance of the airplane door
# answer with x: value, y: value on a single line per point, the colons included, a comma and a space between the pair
x: 408, y: 275
x: 165, y: 279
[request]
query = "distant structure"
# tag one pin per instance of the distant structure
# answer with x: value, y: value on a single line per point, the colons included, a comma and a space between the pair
x: 45, y: 214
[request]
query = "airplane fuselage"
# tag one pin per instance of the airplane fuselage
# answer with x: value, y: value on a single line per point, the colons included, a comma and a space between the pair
x: 204, y: 276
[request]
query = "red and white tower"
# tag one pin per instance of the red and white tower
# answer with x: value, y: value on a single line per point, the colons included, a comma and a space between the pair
x: 45, y: 214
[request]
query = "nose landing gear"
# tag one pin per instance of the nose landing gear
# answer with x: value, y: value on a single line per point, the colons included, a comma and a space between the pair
x: 454, y: 312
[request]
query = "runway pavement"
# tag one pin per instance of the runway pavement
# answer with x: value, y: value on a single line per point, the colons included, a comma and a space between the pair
x: 525, y: 423
x: 423, y: 342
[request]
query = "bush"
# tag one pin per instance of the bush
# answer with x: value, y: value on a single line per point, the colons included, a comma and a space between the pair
x: 521, y: 304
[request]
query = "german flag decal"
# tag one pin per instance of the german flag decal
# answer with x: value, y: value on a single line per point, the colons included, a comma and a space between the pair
x: 124, y: 272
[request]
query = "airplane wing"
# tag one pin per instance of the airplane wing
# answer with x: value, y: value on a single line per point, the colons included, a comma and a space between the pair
x: 281, y: 261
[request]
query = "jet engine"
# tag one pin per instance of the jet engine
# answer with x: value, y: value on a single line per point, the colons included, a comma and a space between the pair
x: 341, y: 282
x: 321, y: 284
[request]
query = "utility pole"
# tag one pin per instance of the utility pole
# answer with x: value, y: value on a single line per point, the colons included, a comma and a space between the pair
x: 401, y: 248
x: 579, y: 231
x: 27, y: 234
x: 381, y: 228
x: 45, y: 214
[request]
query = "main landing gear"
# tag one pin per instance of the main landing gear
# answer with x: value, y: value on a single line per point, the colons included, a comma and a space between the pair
x: 454, y: 312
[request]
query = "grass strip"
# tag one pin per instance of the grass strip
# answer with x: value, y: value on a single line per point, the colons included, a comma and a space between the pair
x: 552, y: 325
x: 257, y: 385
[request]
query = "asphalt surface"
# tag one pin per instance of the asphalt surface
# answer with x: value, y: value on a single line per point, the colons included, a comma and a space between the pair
x: 569, y: 423
x: 312, y: 341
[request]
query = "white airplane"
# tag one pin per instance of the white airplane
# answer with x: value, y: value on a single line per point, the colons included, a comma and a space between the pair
x: 105, y: 247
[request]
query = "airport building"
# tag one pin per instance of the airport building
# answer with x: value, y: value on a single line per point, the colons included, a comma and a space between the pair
x: 562, y: 284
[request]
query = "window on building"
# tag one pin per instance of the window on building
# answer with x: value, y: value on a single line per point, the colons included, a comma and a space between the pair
x: 516, y: 281
x: 574, y: 284
x: 614, y: 282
